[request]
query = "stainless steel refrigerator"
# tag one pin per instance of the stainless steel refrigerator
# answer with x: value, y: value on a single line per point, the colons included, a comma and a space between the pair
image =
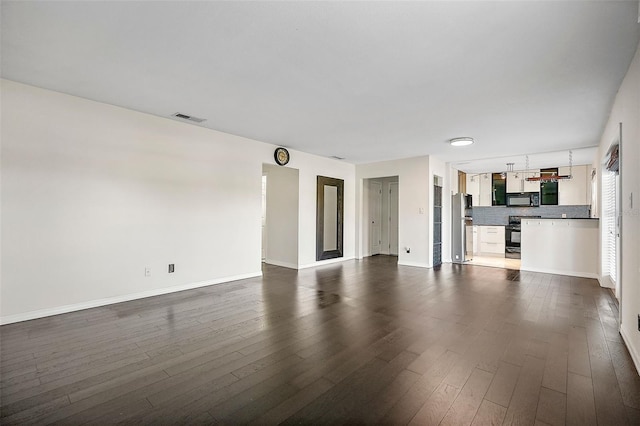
x: 461, y: 229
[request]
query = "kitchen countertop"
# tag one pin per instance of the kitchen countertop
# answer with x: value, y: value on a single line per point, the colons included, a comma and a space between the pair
x: 537, y: 218
x: 564, y: 218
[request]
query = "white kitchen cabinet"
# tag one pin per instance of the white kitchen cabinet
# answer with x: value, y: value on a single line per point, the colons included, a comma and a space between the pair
x: 516, y: 182
x: 531, y: 186
x: 486, y: 190
x: 575, y: 191
x: 490, y: 240
x: 473, y: 189
x: 475, y: 239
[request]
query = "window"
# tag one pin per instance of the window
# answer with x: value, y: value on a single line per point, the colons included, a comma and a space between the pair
x: 499, y: 187
x: 549, y: 190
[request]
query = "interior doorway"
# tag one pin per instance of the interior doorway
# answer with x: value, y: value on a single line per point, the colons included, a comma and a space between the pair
x: 280, y: 210
x: 264, y: 216
x: 381, y: 214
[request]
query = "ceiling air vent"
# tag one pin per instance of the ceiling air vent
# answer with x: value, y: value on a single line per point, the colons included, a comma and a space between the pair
x: 188, y: 117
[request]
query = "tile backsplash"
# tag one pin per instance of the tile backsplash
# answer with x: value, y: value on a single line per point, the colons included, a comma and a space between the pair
x: 499, y: 215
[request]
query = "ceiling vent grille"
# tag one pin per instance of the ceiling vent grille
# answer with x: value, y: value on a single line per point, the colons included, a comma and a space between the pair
x: 188, y: 117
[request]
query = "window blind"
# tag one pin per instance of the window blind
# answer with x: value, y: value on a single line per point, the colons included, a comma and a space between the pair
x: 609, y: 224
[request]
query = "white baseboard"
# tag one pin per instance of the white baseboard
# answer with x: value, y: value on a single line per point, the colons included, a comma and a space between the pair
x: 326, y: 262
x: 635, y: 356
x: 415, y: 264
x: 561, y: 272
x: 41, y: 313
x: 605, y: 281
x: 279, y: 263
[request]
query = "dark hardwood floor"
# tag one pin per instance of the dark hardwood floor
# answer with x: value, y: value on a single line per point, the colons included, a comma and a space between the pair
x: 363, y: 342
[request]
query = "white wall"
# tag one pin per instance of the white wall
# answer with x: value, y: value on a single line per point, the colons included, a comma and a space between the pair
x: 92, y: 194
x: 626, y: 110
x: 312, y: 166
x: 413, y: 207
x: 281, y: 216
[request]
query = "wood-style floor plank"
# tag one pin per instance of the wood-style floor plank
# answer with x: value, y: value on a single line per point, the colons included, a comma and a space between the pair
x: 466, y: 405
x: 361, y: 342
x: 555, y: 369
x: 581, y: 408
x: 552, y: 407
x: 503, y: 384
x: 489, y: 414
x: 524, y: 402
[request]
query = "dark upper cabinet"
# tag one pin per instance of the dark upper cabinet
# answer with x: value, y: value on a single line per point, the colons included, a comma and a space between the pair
x: 549, y: 190
x: 499, y: 189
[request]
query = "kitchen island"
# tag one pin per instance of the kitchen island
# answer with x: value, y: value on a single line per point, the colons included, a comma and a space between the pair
x: 560, y: 246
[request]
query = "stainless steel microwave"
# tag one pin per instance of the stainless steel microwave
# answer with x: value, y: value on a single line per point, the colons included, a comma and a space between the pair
x: 523, y: 199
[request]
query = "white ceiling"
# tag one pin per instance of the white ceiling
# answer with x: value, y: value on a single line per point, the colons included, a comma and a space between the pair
x: 360, y: 80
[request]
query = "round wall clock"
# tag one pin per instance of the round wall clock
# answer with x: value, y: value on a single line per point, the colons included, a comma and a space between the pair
x: 281, y: 156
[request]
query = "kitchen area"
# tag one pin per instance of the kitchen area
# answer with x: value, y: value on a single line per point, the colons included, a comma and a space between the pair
x: 520, y: 220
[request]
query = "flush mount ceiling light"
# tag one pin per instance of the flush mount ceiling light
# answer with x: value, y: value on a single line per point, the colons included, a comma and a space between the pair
x: 461, y: 141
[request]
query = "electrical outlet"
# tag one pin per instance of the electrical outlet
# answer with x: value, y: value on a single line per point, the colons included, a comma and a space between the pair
x: 172, y: 268
x: 147, y: 272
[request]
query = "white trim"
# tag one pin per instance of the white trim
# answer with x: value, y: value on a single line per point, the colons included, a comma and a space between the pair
x: 9, y: 319
x: 605, y: 282
x: 279, y: 263
x: 326, y: 262
x: 415, y: 264
x: 632, y: 351
x: 562, y: 272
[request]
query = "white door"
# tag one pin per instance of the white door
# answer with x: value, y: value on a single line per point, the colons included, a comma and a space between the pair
x: 375, y: 216
x: 393, y: 218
